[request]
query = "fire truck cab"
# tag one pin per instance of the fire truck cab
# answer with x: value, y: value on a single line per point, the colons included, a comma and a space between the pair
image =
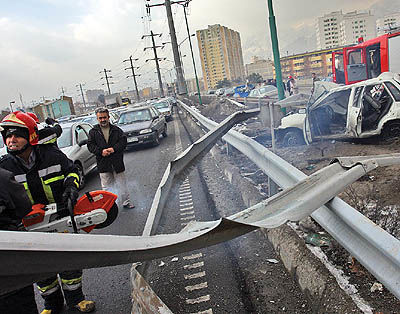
x: 367, y: 59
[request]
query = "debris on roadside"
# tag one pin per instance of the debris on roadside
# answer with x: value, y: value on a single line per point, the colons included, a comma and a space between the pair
x: 316, y: 239
x: 377, y: 287
x: 161, y: 264
x: 272, y: 261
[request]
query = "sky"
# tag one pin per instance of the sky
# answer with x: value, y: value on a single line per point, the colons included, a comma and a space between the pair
x: 52, y: 45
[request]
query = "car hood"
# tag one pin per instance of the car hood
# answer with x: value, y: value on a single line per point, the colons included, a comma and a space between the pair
x: 135, y: 126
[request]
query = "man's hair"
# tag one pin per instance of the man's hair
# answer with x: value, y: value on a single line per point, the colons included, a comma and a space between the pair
x: 313, y: 73
x: 102, y: 110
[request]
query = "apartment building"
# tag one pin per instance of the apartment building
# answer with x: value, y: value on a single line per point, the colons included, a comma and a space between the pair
x: 356, y: 25
x: 220, y: 54
x: 263, y: 67
x: 388, y: 23
x: 337, y: 29
x: 303, y: 64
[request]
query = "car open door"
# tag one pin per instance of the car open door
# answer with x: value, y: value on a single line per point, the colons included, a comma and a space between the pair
x: 355, y: 65
x: 354, y: 117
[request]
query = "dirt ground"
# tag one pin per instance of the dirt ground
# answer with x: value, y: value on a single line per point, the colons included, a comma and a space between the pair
x: 376, y: 195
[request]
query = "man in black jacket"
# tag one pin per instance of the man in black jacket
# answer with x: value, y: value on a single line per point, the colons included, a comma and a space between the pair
x: 107, y: 142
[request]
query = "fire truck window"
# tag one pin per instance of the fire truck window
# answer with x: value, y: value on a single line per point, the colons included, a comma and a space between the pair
x: 374, y: 61
x: 355, y: 57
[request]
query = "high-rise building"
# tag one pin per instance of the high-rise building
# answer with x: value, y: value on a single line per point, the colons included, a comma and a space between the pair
x: 389, y: 23
x: 220, y: 54
x: 337, y: 29
x: 328, y: 27
x: 263, y: 67
x: 356, y: 25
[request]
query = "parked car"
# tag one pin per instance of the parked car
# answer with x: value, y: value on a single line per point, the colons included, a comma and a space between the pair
x: 229, y: 92
x: 143, y: 125
x: 361, y: 110
x: 164, y: 106
x: 220, y: 91
x: 73, y: 143
x: 267, y: 91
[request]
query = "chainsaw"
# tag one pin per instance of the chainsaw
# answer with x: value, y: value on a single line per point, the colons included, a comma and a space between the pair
x: 94, y: 210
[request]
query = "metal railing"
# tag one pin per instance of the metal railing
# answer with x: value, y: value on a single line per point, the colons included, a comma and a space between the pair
x: 376, y: 249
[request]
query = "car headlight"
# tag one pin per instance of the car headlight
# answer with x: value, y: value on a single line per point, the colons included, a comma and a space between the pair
x: 145, y: 131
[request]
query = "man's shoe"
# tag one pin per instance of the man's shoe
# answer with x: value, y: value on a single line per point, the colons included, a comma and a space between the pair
x: 128, y: 204
x: 45, y: 311
x: 85, y: 306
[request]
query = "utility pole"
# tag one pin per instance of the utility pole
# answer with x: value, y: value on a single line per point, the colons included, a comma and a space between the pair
x: 83, y: 97
x: 156, y: 59
x: 133, y: 75
x: 185, y: 5
x: 62, y: 92
x: 178, y: 65
x: 11, y: 107
x: 275, y: 50
x: 107, y: 77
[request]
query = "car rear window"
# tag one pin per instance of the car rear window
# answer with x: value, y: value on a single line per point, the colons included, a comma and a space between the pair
x: 393, y: 89
x: 134, y: 116
x: 161, y: 105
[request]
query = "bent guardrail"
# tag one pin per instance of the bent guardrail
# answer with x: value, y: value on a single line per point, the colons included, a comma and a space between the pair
x: 377, y: 250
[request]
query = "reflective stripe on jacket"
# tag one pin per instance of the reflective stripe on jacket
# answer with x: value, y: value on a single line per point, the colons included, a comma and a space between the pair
x: 46, y: 180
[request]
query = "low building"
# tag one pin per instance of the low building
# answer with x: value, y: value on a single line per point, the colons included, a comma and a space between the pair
x: 303, y: 64
x: 263, y: 67
x: 54, y: 108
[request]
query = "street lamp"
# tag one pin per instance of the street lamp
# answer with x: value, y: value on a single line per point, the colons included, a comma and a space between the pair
x: 12, y: 102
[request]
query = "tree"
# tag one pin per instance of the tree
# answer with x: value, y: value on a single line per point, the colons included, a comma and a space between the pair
x: 224, y: 83
x: 255, y: 78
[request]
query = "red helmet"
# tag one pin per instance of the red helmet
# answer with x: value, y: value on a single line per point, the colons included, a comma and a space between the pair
x: 33, y: 116
x: 20, y: 119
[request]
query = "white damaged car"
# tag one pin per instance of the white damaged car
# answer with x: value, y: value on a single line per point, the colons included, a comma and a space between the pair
x: 365, y: 109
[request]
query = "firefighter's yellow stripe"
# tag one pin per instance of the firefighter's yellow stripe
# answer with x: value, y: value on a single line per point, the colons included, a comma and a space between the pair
x: 73, y: 281
x: 48, y: 181
x: 28, y: 192
x: 50, y: 286
x: 48, y: 191
x: 76, y: 176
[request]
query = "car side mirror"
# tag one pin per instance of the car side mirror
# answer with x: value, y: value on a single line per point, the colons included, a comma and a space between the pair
x: 83, y: 142
x: 155, y: 118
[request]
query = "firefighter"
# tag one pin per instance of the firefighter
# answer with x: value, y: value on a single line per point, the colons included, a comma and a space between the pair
x: 48, y: 177
x: 14, y: 205
x: 50, y: 133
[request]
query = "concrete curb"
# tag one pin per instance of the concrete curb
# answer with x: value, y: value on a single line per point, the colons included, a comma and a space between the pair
x: 318, y: 284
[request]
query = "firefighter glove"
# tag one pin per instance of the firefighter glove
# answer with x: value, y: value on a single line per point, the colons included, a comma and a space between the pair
x: 70, y: 193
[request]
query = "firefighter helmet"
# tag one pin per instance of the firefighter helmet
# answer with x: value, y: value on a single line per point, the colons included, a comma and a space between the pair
x: 23, y: 121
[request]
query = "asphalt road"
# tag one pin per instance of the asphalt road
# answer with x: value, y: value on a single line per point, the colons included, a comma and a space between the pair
x: 233, y: 277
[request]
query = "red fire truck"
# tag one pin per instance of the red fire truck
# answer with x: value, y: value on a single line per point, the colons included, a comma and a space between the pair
x: 367, y: 59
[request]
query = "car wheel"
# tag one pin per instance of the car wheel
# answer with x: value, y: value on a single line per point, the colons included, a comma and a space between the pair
x: 81, y: 176
x: 164, y: 133
x: 293, y: 138
x: 391, y: 131
x: 157, y: 140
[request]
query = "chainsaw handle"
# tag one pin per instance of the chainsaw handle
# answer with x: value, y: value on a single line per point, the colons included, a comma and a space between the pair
x: 71, y: 214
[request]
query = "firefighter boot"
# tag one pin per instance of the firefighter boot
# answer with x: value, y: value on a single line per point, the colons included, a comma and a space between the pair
x: 85, y: 306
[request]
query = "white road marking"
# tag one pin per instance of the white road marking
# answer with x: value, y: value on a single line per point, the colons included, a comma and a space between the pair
x: 209, y: 311
x: 187, y: 213
x: 186, y: 203
x: 188, y: 218
x: 186, y: 208
x: 193, y: 266
x: 183, y: 194
x: 196, y: 275
x: 199, y: 286
x: 193, y: 256
x: 198, y: 300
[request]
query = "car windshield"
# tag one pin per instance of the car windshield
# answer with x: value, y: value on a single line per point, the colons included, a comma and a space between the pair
x: 320, y: 89
x: 135, y: 116
x: 92, y: 120
x: 65, y: 139
x: 160, y: 105
x: 267, y: 89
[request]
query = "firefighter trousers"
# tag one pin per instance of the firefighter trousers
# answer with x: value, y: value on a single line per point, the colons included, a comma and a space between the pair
x: 21, y: 301
x: 71, y: 283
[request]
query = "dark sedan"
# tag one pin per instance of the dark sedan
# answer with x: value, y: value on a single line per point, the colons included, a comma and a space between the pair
x: 143, y: 125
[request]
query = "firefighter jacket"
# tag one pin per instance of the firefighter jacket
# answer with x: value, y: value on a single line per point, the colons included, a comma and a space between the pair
x: 14, y: 202
x: 116, y: 140
x: 46, y: 180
